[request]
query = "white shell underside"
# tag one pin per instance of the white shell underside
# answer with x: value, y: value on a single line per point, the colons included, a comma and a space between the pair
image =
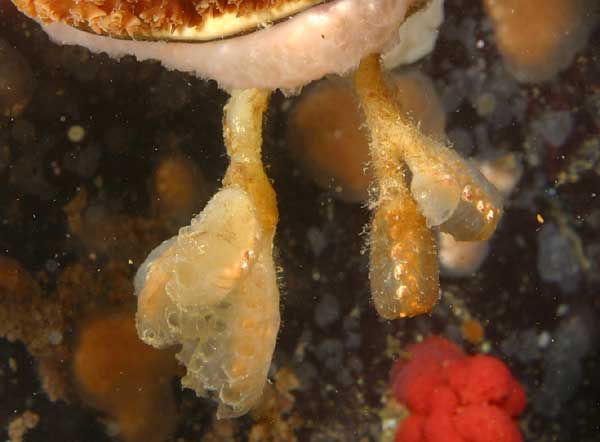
x: 326, y: 39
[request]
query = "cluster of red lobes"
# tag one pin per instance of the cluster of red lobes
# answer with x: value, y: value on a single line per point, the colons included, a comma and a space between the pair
x: 453, y: 397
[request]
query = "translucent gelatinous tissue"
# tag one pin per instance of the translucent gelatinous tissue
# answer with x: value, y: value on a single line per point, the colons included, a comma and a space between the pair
x: 403, y: 257
x: 404, y: 266
x: 452, y: 193
x: 446, y: 191
x: 212, y: 289
x: 221, y: 303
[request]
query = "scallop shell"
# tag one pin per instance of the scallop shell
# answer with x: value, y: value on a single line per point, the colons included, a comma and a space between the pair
x: 184, y: 20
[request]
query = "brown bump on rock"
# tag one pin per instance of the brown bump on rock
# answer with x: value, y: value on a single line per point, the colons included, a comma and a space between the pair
x: 120, y: 375
x: 539, y: 38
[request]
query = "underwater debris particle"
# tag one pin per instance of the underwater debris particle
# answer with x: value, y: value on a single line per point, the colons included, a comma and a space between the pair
x: 472, y: 330
x: 29, y: 315
x: 19, y: 426
x: 76, y: 133
x: 584, y: 161
x: 276, y: 419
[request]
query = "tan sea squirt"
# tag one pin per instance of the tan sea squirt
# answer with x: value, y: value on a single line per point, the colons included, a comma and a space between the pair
x: 212, y: 289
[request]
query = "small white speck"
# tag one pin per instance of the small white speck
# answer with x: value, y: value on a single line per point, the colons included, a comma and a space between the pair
x: 55, y: 337
x: 544, y: 339
x: 562, y: 310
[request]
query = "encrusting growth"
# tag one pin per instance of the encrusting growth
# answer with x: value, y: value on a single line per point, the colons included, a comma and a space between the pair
x: 539, y: 38
x: 212, y: 288
x: 446, y: 191
x: 131, y: 382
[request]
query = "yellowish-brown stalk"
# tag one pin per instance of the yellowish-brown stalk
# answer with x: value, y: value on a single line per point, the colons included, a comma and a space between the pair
x: 242, y: 130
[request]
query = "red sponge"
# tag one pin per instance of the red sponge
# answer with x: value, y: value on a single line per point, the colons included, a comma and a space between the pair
x: 413, y: 386
x: 486, y: 423
x: 479, y: 379
x: 516, y: 400
x: 411, y: 429
x: 453, y: 397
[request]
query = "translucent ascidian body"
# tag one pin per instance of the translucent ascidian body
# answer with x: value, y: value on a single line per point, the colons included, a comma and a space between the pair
x: 403, y: 268
x: 451, y: 191
x: 213, y: 289
x: 445, y: 191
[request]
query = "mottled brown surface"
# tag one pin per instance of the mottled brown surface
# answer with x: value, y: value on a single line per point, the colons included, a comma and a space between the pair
x: 138, y: 16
